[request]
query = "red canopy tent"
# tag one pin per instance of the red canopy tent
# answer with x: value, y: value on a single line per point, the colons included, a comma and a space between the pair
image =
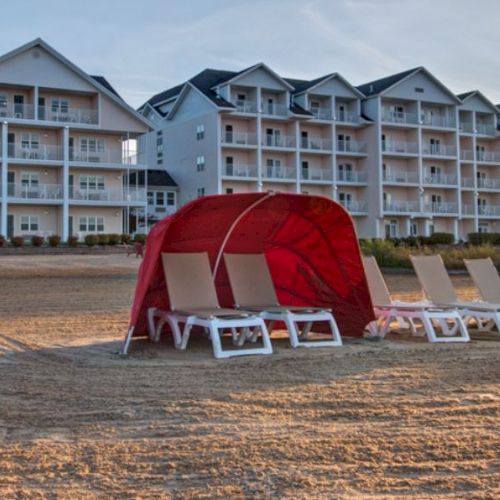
x: 309, y: 241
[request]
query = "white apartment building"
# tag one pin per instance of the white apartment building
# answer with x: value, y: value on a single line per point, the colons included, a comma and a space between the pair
x: 403, y: 154
x: 67, y: 148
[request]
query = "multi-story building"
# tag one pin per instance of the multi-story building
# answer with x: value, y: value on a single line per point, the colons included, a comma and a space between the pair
x: 67, y: 147
x: 403, y: 154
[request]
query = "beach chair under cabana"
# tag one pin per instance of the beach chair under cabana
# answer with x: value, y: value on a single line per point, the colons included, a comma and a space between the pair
x: 253, y: 289
x: 388, y: 310
x: 309, y: 243
x: 438, y: 288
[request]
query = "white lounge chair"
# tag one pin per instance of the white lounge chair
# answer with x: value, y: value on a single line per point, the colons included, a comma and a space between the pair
x: 253, y: 289
x: 438, y: 288
x: 485, y: 276
x: 387, y: 310
x: 193, y: 301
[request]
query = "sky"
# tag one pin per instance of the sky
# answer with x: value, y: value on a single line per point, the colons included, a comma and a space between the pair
x: 146, y: 46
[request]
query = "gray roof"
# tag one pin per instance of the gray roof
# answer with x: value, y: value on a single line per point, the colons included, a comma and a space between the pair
x: 376, y: 87
x: 159, y: 178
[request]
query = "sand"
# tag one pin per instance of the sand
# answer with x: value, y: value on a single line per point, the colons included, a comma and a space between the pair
x: 397, y: 418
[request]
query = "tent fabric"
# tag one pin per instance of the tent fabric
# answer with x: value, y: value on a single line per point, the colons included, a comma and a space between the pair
x: 309, y: 241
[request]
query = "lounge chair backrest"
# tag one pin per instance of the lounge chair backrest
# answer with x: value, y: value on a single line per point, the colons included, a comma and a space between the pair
x: 376, y: 284
x: 189, y: 281
x: 485, y: 277
x: 434, y: 278
x: 250, y: 280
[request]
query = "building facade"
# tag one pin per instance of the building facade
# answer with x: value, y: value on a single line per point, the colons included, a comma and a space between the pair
x: 403, y: 154
x: 67, y: 147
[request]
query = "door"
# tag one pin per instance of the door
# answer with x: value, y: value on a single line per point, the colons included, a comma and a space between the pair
x: 11, y: 144
x: 480, y: 153
x: 11, y: 183
x: 341, y: 113
x: 10, y: 226
x: 398, y: 114
x: 71, y: 148
x: 18, y: 106
x: 70, y: 225
x: 344, y: 142
x: 435, y: 145
x: 71, y: 184
x: 304, y: 139
x: 481, y: 179
x: 270, y: 106
x: 229, y: 165
x: 437, y: 203
x: 435, y: 174
x: 345, y: 199
x: 41, y: 108
x: 229, y: 134
x: 391, y: 228
x: 345, y: 172
x: 481, y: 206
x: 305, y: 170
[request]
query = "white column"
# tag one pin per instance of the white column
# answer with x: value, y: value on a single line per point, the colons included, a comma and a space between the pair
x: 455, y: 230
x: 259, y: 140
x: 334, y: 150
x: 474, y: 174
x: 65, y: 211
x: 219, y: 154
x: 4, y: 170
x: 408, y: 222
x: 35, y: 102
x: 298, y: 165
x: 420, y: 162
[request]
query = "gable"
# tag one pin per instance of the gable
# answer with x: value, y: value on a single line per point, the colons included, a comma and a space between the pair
x: 477, y: 103
x: 193, y: 104
x: 334, y: 86
x: 432, y: 91
x: 260, y: 77
x: 115, y: 117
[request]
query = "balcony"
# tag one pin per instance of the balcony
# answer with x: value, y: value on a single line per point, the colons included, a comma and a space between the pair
x: 244, y: 106
x: 485, y: 129
x: 359, y: 207
x: 239, y: 138
x: 353, y: 147
x: 322, y: 113
x: 467, y: 182
x: 274, y: 109
x: 353, y: 177
x: 278, y: 141
x: 468, y: 210
x: 467, y: 155
x: 488, y: 183
x: 315, y: 144
x: 441, y: 208
x: 442, y: 179
x: 346, y: 117
x: 401, y: 206
x: 437, y: 121
x: 41, y: 152
x: 400, y: 177
x: 316, y: 175
x: 488, y: 210
x: 240, y: 171
x: 119, y: 194
x: 399, y: 117
x: 439, y: 150
x: 466, y: 127
x: 35, y: 192
x: 488, y: 156
x: 398, y: 147
x: 279, y: 173
x: 110, y: 156
x: 45, y: 113
x: 18, y: 111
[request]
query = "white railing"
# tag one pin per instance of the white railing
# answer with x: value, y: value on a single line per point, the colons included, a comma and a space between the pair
x: 106, y: 156
x: 488, y: 183
x: 444, y: 179
x: 73, y: 115
x: 351, y: 147
x: 240, y: 171
x: 489, y: 210
x: 40, y: 152
x: 134, y: 159
x: 108, y: 194
x: 439, y: 150
x: 441, y: 121
x: 239, y: 138
x: 352, y: 177
x: 485, y: 129
x: 401, y: 206
x: 354, y: 206
x: 278, y: 172
x: 316, y: 174
x: 468, y: 210
x: 467, y: 182
x: 467, y: 155
x: 400, y: 177
x: 441, y: 208
x: 38, y: 192
x: 244, y: 106
x: 322, y: 113
x: 488, y: 156
x: 466, y: 127
x: 399, y: 147
x: 17, y: 111
x: 278, y: 141
x: 390, y: 116
x: 316, y: 143
x: 346, y: 117
x: 274, y: 109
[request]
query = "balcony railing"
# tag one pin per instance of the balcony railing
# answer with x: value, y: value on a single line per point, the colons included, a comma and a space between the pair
x: 19, y: 111
x: 354, y: 206
x: 274, y: 109
x: 467, y: 182
x: 346, y: 117
x: 352, y: 177
x: 239, y: 138
x: 351, y: 147
x: 441, y: 121
x: 322, y: 113
x: 35, y: 192
x: 278, y: 141
x: 400, y: 177
x: 468, y: 210
x: 444, y: 179
x: 244, y: 106
x: 441, y: 208
x: 488, y: 210
x: 316, y: 174
x: 467, y: 155
x: 106, y: 156
x: 401, y: 117
x: 485, y: 129
x: 240, y: 171
x: 439, y: 150
x: 399, y: 147
x: 488, y: 156
x: 35, y: 152
x: 488, y: 183
x: 316, y: 143
x: 401, y: 206
x: 279, y: 172
x: 466, y: 127
x: 119, y: 194
x: 73, y: 115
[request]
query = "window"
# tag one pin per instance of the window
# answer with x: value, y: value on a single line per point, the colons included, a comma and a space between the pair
x: 29, y: 223
x: 420, y: 90
x: 229, y: 190
x: 161, y: 198
x: 3, y: 101
x: 59, y: 105
x: 91, y: 182
x: 200, y: 131
x: 431, y: 229
x: 170, y: 198
x: 29, y: 179
x: 30, y: 141
x: 91, y: 224
x: 413, y: 229
x: 200, y: 163
x: 91, y: 145
x: 483, y: 227
x: 201, y: 192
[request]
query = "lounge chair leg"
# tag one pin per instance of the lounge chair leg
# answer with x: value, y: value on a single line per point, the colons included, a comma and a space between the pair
x: 305, y: 330
x: 292, y: 331
x: 151, y: 322
x: 428, y: 327
x: 373, y: 328
x: 413, y: 328
x: 126, y: 343
x: 216, y: 341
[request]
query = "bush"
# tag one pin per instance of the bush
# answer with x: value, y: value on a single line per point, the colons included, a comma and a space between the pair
x: 114, y: 239
x: 91, y: 240
x: 125, y: 238
x: 17, y: 241
x: 2, y: 241
x: 484, y: 238
x: 37, y: 241
x: 140, y: 238
x: 440, y: 239
x: 73, y: 241
x: 54, y: 240
x: 102, y: 239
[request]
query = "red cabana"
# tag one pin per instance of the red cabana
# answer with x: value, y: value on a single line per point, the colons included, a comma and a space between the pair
x: 309, y: 241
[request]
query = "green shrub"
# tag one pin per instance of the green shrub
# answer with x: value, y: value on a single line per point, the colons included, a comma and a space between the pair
x: 91, y: 240
x: 125, y: 238
x: 102, y: 239
x: 114, y: 239
x: 17, y: 241
x: 140, y: 238
x: 2, y: 240
x: 37, y: 241
x: 73, y: 241
x: 54, y: 240
x: 484, y: 238
x: 440, y: 239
